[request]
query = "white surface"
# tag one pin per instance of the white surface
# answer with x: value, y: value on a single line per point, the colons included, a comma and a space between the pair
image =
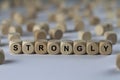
x: 59, y: 67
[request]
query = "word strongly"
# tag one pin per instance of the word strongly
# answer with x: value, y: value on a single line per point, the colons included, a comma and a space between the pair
x: 65, y: 47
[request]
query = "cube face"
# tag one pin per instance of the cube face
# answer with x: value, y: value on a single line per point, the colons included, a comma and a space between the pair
x: 111, y: 36
x: 40, y: 34
x: 66, y: 47
x: 12, y: 29
x: 15, y: 46
x: 36, y: 27
x: 92, y: 48
x: 44, y: 26
x: 79, y: 26
x: 53, y: 47
x: 94, y: 20
x: 28, y: 47
x: 62, y: 26
x: 105, y: 47
x: 99, y: 30
x: 84, y: 35
x: 30, y: 26
x: 55, y: 33
x: 41, y: 47
x: 79, y: 47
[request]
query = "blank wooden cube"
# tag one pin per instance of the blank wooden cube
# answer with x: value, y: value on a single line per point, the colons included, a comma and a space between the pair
x: 79, y: 26
x: 41, y: 47
x: 92, y: 48
x: 40, y: 34
x: 30, y: 26
x: 102, y: 28
x: 16, y: 29
x: 79, y: 47
x: 28, y: 47
x: 105, y: 47
x: 94, y: 20
x: 45, y: 27
x: 66, y: 47
x: 62, y: 26
x: 53, y: 47
x: 13, y: 36
x: 15, y: 46
x: 2, y: 56
x: 83, y: 35
x: 111, y: 36
x: 118, y: 61
x: 55, y: 33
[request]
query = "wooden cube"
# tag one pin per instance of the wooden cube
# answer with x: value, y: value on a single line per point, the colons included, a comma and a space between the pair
x: 111, y: 36
x: 45, y: 27
x: 28, y: 47
x: 105, y: 47
x: 102, y: 28
x: 94, y: 20
x: 92, y: 48
x: 55, y: 33
x: 15, y: 46
x: 15, y: 29
x: 79, y: 26
x: 79, y: 47
x: 40, y: 34
x: 42, y: 26
x: 41, y: 47
x: 30, y: 26
x: 2, y: 56
x: 53, y: 47
x: 62, y: 26
x: 84, y: 35
x: 118, y: 61
x: 66, y: 47
x: 13, y: 36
